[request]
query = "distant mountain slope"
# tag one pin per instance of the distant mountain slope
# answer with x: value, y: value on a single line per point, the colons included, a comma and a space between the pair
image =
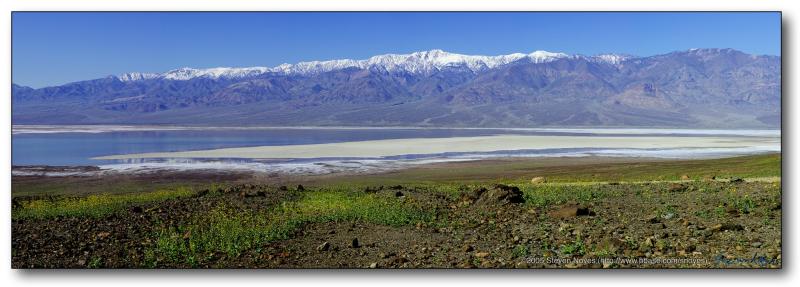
x: 699, y: 88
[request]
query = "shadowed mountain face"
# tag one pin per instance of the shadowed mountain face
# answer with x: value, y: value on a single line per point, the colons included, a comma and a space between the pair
x: 699, y: 88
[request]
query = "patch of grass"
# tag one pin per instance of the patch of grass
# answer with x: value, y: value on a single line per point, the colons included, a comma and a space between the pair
x: 743, y: 167
x: 95, y: 263
x: 93, y: 205
x: 743, y: 204
x: 576, y: 248
x: 720, y: 212
x: 631, y: 242
x: 337, y: 205
x: 229, y: 231
x: 520, y: 251
x: 543, y: 195
x: 79, y: 187
x: 221, y: 230
x: 604, y: 252
x: 560, y: 170
x: 704, y: 214
x: 662, y: 244
x: 546, y: 246
x: 667, y: 211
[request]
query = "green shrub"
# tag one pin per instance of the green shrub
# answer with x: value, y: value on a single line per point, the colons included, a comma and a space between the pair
x: 93, y: 205
x: 230, y: 231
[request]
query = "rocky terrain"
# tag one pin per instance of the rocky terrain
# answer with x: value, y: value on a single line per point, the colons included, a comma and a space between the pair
x: 711, y: 223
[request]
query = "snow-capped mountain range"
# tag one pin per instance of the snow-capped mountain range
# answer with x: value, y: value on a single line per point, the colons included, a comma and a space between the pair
x: 423, y: 62
x: 708, y: 88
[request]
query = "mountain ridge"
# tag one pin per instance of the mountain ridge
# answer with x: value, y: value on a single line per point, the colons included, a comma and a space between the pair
x: 692, y: 88
x: 417, y: 62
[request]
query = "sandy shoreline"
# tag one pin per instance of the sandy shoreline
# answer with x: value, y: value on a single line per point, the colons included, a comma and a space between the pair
x: 394, y: 147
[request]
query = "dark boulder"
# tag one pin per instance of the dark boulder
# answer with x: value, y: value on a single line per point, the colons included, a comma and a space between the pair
x: 498, y: 194
x: 571, y: 210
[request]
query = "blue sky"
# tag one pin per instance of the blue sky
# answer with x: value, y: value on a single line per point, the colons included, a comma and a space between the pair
x: 55, y: 48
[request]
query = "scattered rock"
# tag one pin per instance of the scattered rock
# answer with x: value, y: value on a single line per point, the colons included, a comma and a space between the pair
x: 103, y: 234
x: 677, y: 187
x: 399, y: 260
x: 668, y: 215
x: 623, y: 227
x: 727, y: 226
x: 472, y: 195
x: 648, y: 242
x: 466, y: 265
x: 499, y: 194
x: 701, y: 233
x: 736, y: 180
x: 608, y: 264
x: 503, y: 194
x: 252, y: 193
x: 571, y: 210
x: 732, y: 227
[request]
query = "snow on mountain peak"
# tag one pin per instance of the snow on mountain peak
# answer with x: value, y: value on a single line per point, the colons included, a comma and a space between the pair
x: 418, y: 62
x: 614, y: 59
x: 135, y: 76
x: 214, y: 73
x: 545, y: 56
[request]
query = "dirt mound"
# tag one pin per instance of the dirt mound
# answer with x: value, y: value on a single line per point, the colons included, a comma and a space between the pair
x: 499, y: 194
